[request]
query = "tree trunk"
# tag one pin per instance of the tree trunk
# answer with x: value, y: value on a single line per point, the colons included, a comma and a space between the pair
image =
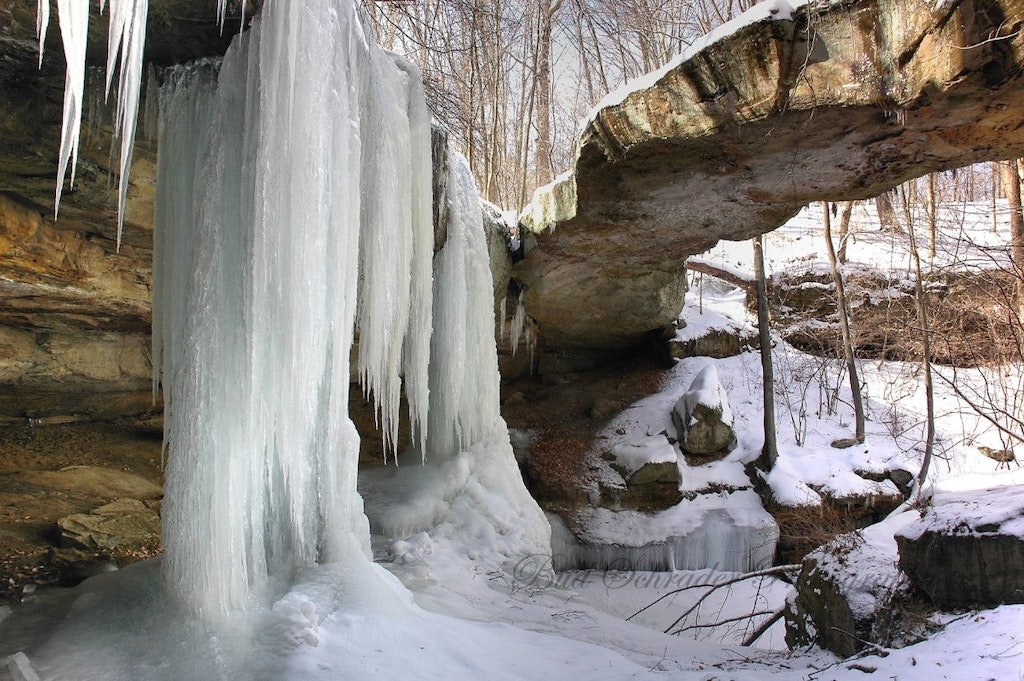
x: 769, y: 453
x: 845, y: 214
x: 844, y: 326
x: 887, y: 213
x: 994, y: 167
x: 1011, y: 185
x: 932, y: 214
x: 926, y: 361
x: 544, y: 167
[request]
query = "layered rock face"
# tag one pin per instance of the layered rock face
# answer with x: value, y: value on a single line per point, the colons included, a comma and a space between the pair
x: 75, y: 309
x: 968, y: 548
x: 831, y: 103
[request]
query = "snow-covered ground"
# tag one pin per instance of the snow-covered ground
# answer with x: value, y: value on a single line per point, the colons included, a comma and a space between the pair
x: 427, y: 612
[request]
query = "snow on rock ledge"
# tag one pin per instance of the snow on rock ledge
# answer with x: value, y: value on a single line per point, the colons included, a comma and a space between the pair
x: 735, y: 137
x: 723, y: 531
x: 968, y: 548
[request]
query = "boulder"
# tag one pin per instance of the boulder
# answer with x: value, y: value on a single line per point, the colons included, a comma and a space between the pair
x: 649, y: 470
x: 967, y: 549
x: 716, y: 343
x: 703, y: 418
x: 124, y: 524
x: 848, y: 593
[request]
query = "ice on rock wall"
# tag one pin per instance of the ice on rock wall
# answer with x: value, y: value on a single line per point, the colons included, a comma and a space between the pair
x: 469, y: 492
x: 722, y: 531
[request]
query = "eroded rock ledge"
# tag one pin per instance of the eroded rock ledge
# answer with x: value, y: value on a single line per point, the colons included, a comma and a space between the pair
x: 833, y: 101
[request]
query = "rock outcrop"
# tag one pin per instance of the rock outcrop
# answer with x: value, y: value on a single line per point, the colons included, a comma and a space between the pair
x: 848, y: 594
x: 830, y: 102
x: 968, y: 549
x: 120, y: 525
x: 75, y: 309
x: 703, y: 418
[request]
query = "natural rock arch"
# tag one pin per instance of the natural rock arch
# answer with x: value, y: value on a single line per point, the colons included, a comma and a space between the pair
x: 840, y: 101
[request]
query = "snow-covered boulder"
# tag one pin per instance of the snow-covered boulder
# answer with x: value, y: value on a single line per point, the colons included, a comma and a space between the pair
x: 702, y: 416
x: 968, y: 548
x: 847, y: 592
x: 650, y: 475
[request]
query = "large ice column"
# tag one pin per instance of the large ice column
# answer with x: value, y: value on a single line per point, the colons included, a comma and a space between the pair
x: 311, y: 191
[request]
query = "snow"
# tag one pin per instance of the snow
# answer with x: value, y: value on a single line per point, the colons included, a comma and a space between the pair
x: 267, y: 573
x: 727, y: 531
x: 768, y: 10
x: 705, y: 389
x: 998, y: 510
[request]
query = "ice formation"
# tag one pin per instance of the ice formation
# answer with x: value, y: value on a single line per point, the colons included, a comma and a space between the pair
x: 294, y: 209
x: 721, y: 531
x: 126, y: 38
x: 469, y: 494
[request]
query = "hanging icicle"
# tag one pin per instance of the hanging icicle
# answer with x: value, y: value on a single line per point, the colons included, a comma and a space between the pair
x: 125, y: 48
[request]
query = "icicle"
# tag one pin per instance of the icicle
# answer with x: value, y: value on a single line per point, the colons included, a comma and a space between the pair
x: 151, y: 114
x: 74, y: 28
x: 42, y: 23
x: 261, y: 481
x: 395, y: 265
x: 519, y: 322
x: 463, y: 366
x: 125, y: 43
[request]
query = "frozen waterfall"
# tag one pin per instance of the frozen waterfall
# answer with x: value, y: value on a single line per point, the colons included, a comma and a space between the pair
x: 294, y: 209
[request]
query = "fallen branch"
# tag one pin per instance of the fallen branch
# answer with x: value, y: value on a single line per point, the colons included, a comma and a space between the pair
x: 738, y: 279
x: 763, y: 628
x: 784, y: 570
x: 727, y: 620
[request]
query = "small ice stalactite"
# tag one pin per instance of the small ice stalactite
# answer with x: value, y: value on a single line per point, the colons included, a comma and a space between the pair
x: 151, y: 114
x: 42, y: 23
x: 522, y: 330
x: 74, y: 30
x: 95, y: 107
x: 126, y: 39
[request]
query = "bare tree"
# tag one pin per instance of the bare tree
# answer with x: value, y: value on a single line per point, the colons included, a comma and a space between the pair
x: 845, y: 217
x: 844, y: 327
x: 921, y: 305
x: 887, y: 213
x: 931, y: 208
x: 770, y: 451
x: 1011, y: 186
x: 509, y: 80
